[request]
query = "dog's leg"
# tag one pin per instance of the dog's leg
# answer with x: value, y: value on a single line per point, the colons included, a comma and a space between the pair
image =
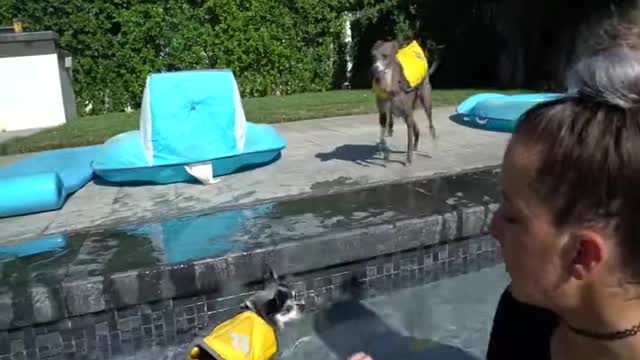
x: 389, y: 120
x: 389, y: 124
x: 415, y: 128
x: 426, y: 101
x: 411, y: 124
x: 383, y: 117
x: 416, y: 135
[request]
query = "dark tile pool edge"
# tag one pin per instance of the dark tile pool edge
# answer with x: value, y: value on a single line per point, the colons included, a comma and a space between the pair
x: 174, y: 322
x: 44, y: 303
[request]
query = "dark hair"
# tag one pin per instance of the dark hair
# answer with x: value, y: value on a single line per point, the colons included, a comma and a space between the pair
x: 616, y: 30
x: 588, y: 148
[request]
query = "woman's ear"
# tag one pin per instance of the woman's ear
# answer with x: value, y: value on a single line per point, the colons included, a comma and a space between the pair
x: 589, y: 254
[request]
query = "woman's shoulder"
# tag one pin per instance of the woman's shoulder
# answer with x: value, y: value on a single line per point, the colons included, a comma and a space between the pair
x: 520, y: 330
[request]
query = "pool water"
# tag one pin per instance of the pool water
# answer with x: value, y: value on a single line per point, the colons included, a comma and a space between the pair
x: 449, y: 319
x: 175, y: 241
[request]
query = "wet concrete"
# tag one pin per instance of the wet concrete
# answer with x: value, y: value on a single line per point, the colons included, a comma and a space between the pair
x: 244, y: 229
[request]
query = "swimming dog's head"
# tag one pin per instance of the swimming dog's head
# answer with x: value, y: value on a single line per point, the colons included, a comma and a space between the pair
x: 276, y: 304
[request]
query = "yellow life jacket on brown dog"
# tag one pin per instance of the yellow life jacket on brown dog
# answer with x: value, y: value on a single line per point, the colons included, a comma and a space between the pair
x: 244, y: 337
x: 414, y: 63
x: 415, y: 67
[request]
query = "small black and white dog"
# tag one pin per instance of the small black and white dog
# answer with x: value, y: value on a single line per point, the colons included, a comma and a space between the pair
x: 252, y: 333
x: 275, y: 304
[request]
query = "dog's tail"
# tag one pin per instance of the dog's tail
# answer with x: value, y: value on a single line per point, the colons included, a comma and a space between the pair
x: 432, y: 68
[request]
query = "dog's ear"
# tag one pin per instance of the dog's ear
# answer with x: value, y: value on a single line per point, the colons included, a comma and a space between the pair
x: 248, y: 305
x: 396, y: 45
x: 273, y: 276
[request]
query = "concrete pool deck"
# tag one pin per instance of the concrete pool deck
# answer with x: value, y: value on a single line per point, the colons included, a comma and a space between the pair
x: 322, y: 156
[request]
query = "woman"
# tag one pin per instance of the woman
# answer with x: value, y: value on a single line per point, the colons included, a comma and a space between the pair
x: 569, y: 222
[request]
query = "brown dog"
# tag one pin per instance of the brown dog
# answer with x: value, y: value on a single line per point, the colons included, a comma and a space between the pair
x: 395, y: 97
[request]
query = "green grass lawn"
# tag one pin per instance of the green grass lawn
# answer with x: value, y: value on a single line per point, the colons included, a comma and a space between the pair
x: 92, y: 130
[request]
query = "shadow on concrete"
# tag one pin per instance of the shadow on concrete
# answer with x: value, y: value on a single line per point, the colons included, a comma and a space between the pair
x: 348, y: 327
x: 361, y: 154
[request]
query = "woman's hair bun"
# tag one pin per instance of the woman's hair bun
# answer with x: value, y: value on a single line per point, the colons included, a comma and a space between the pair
x: 611, y: 76
x: 610, y: 71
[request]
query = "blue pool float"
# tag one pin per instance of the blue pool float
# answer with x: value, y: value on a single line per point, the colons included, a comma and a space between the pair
x: 188, y: 118
x: 497, y: 112
x: 43, y: 181
x: 34, y: 247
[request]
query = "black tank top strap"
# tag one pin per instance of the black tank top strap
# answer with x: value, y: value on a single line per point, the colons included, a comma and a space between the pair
x: 520, y: 331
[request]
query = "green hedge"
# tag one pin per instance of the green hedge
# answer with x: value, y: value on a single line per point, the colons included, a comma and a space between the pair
x: 273, y: 46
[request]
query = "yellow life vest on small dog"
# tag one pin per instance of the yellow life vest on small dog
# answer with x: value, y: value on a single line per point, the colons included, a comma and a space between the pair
x: 414, y: 63
x: 244, y: 337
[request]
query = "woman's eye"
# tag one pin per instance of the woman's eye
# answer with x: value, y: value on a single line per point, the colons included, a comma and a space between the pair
x: 509, y: 219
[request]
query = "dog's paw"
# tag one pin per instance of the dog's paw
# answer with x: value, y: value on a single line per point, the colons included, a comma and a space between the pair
x: 409, y: 161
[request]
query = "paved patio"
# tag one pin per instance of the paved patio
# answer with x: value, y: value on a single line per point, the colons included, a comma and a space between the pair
x: 325, y: 155
x: 8, y: 135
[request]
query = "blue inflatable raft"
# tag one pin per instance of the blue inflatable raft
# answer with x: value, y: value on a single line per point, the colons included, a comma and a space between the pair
x: 192, y: 127
x: 44, y: 181
x: 497, y: 112
x: 35, y: 247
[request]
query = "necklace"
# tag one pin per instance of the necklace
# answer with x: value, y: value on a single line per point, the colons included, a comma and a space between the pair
x: 616, y: 335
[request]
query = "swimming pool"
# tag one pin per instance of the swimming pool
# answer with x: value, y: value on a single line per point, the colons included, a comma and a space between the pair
x: 117, y: 292
x: 451, y: 318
